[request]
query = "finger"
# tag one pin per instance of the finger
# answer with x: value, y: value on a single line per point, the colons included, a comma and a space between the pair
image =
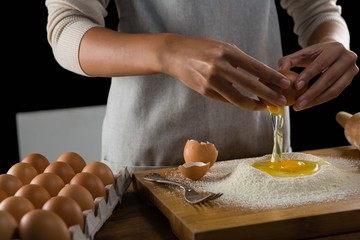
x: 319, y: 66
x: 247, y: 82
x: 216, y: 96
x: 339, y: 73
x: 233, y: 96
x: 258, y: 69
x: 315, y: 96
x: 298, y: 59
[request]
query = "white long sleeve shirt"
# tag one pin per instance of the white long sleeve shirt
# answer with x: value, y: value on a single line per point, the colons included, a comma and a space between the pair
x: 150, y: 118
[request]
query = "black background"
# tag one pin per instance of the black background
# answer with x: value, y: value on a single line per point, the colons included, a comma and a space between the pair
x: 34, y: 81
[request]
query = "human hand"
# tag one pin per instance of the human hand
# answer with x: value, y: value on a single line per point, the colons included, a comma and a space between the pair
x: 218, y: 70
x: 334, y: 65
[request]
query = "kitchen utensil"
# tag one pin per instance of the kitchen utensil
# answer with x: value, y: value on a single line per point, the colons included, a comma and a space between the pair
x: 191, y: 196
x: 351, y: 125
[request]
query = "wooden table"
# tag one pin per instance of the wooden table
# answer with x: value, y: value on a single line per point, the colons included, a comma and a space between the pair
x: 134, y: 219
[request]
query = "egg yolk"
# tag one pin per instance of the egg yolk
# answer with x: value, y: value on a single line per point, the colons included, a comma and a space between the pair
x: 275, y: 110
x: 289, y: 168
x: 278, y: 167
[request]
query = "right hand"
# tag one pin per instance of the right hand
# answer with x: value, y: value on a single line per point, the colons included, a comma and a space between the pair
x: 217, y: 70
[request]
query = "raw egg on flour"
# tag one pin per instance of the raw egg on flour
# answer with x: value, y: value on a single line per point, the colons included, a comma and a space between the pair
x: 276, y: 165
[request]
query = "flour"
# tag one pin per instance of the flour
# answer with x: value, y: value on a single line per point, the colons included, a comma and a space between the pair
x: 246, y: 186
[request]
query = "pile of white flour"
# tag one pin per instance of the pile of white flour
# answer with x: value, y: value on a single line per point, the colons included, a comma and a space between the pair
x: 246, y: 186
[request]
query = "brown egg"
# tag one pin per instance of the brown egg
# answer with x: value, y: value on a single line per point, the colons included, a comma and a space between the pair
x: 67, y: 208
x: 37, y: 160
x: 291, y: 93
x: 200, y: 152
x: 8, y: 226
x: 50, y: 181
x: 3, y: 195
x: 101, y: 170
x: 43, y: 225
x: 37, y: 194
x: 75, y: 160
x: 80, y: 194
x: 194, y: 170
x: 24, y: 171
x: 91, y: 182
x: 16, y: 206
x: 10, y: 184
x: 61, y: 169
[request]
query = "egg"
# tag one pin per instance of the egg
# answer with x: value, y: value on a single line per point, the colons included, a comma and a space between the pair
x: 91, y: 182
x: 17, y: 206
x: 101, y: 170
x: 61, y: 169
x: 8, y: 226
x: 9, y: 184
x: 50, y: 181
x: 80, y: 194
x: 67, y: 208
x: 75, y: 160
x: 194, y: 170
x: 43, y: 225
x: 3, y: 195
x: 195, y: 151
x: 290, y: 93
x: 37, y: 194
x: 37, y: 160
x: 24, y: 171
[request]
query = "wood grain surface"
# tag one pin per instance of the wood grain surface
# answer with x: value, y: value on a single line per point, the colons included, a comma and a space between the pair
x: 209, y: 221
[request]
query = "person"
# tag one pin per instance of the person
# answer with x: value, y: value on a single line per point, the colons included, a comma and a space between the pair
x: 189, y: 70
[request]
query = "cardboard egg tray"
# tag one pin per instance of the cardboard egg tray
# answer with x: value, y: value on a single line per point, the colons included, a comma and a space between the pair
x: 103, y: 209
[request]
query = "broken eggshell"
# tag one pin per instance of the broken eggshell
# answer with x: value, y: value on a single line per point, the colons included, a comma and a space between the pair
x: 195, y: 151
x: 194, y: 170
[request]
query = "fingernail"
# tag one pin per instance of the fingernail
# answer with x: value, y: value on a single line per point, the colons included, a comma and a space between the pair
x: 285, y: 83
x: 300, y: 84
x: 302, y: 104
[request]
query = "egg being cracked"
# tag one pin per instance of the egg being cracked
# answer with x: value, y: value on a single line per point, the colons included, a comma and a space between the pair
x: 291, y: 93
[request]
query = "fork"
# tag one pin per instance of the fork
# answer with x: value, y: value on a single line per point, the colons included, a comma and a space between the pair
x: 191, y: 196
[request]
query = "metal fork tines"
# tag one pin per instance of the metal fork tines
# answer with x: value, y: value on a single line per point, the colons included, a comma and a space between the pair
x: 190, y: 194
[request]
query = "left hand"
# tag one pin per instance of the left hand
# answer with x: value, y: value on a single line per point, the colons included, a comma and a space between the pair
x: 334, y: 65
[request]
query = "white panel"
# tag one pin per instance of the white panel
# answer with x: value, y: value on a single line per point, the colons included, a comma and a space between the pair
x: 53, y: 132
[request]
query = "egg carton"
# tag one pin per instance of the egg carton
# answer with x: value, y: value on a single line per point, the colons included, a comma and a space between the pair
x: 103, y: 208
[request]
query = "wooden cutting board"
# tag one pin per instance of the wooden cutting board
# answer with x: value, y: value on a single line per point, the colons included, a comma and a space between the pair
x: 209, y: 221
